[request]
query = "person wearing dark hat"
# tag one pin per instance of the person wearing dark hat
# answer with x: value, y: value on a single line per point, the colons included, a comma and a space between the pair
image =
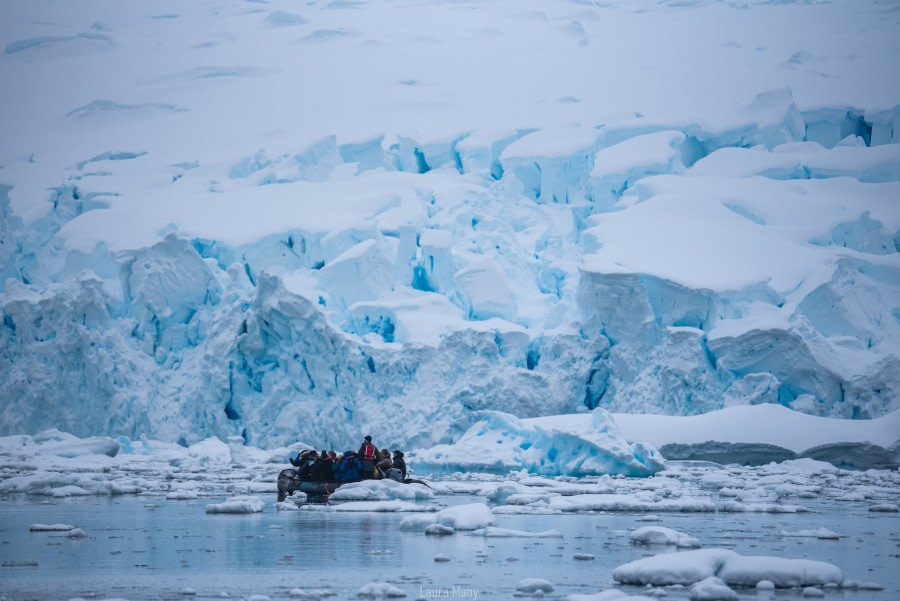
x: 367, y: 453
x: 305, y: 470
x: 321, y: 471
x: 399, y: 463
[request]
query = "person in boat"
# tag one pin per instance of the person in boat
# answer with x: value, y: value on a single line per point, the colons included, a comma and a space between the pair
x: 384, y: 463
x: 399, y: 463
x: 305, y: 471
x: 301, y: 459
x: 322, y: 470
x: 349, y: 469
x: 367, y: 456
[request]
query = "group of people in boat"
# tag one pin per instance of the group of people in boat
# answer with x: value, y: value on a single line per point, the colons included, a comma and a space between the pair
x: 365, y: 464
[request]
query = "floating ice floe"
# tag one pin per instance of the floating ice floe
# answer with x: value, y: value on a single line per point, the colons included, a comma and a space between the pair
x: 380, y: 506
x: 735, y: 507
x: 439, y: 530
x: 628, y: 503
x: 241, y: 504
x: 495, y: 532
x: 689, y: 567
x: 712, y: 589
x: 380, y: 589
x: 50, y: 528
x: 183, y: 495
x: 534, y: 585
x: 382, y: 490
x: 310, y: 593
x: 659, y: 535
x: 417, y: 522
x: 863, y: 586
x: 822, y: 533
x: 56, y: 484
x: 501, y: 442
x: 470, y: 516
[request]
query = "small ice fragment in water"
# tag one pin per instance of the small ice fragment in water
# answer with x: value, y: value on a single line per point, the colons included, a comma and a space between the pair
x: 439, y: 530
x: 51, y: 528
x: 533, y: 585
x: 380, y: 589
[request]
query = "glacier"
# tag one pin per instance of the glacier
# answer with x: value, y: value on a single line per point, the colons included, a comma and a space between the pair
x: 179, y: 260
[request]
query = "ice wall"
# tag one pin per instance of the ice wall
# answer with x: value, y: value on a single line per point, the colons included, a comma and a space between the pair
x: 674, y: 292
x: 175, y: 264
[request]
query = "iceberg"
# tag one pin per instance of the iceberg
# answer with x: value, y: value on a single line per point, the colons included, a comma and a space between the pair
x: 239, y: 504
x: 659, y: 535
x: 500, y: 443
x: 690, y: 567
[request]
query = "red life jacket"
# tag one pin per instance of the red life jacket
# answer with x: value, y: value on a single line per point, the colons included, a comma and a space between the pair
x: 369, y: 452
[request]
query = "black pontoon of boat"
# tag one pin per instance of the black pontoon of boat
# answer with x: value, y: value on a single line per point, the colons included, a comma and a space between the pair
x: 316, y: 492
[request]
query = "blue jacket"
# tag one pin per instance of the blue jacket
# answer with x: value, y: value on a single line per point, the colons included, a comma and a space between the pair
x: 348, y: 469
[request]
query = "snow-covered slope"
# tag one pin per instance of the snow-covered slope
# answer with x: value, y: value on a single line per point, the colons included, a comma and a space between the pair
x: 630, y: 444
x: 312, y: 221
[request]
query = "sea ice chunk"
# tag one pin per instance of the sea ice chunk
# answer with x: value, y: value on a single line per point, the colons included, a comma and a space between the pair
x: 240, y: 504
x: 381, y: 490
x: 689, y: 567
x: 659, y: 535
x: 712, y: 589
x: 495, y: 532
x: 501, y: 442
x: 380, y: 589
x: 470, y: 516
x: 533, y: 585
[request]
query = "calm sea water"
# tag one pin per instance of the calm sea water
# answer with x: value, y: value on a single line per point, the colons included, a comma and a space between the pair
x: 151, y: 548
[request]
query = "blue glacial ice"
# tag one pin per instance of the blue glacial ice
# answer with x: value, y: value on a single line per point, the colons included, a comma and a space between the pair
x: 500, y: 443
x: 458, y: 293
x: 302, y: 286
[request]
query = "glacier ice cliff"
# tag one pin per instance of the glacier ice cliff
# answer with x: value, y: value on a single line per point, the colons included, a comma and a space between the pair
x: 447, y: 292
x: 420, y: 242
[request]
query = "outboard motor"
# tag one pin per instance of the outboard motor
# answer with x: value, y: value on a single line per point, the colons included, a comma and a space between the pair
x: 288, y: 482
